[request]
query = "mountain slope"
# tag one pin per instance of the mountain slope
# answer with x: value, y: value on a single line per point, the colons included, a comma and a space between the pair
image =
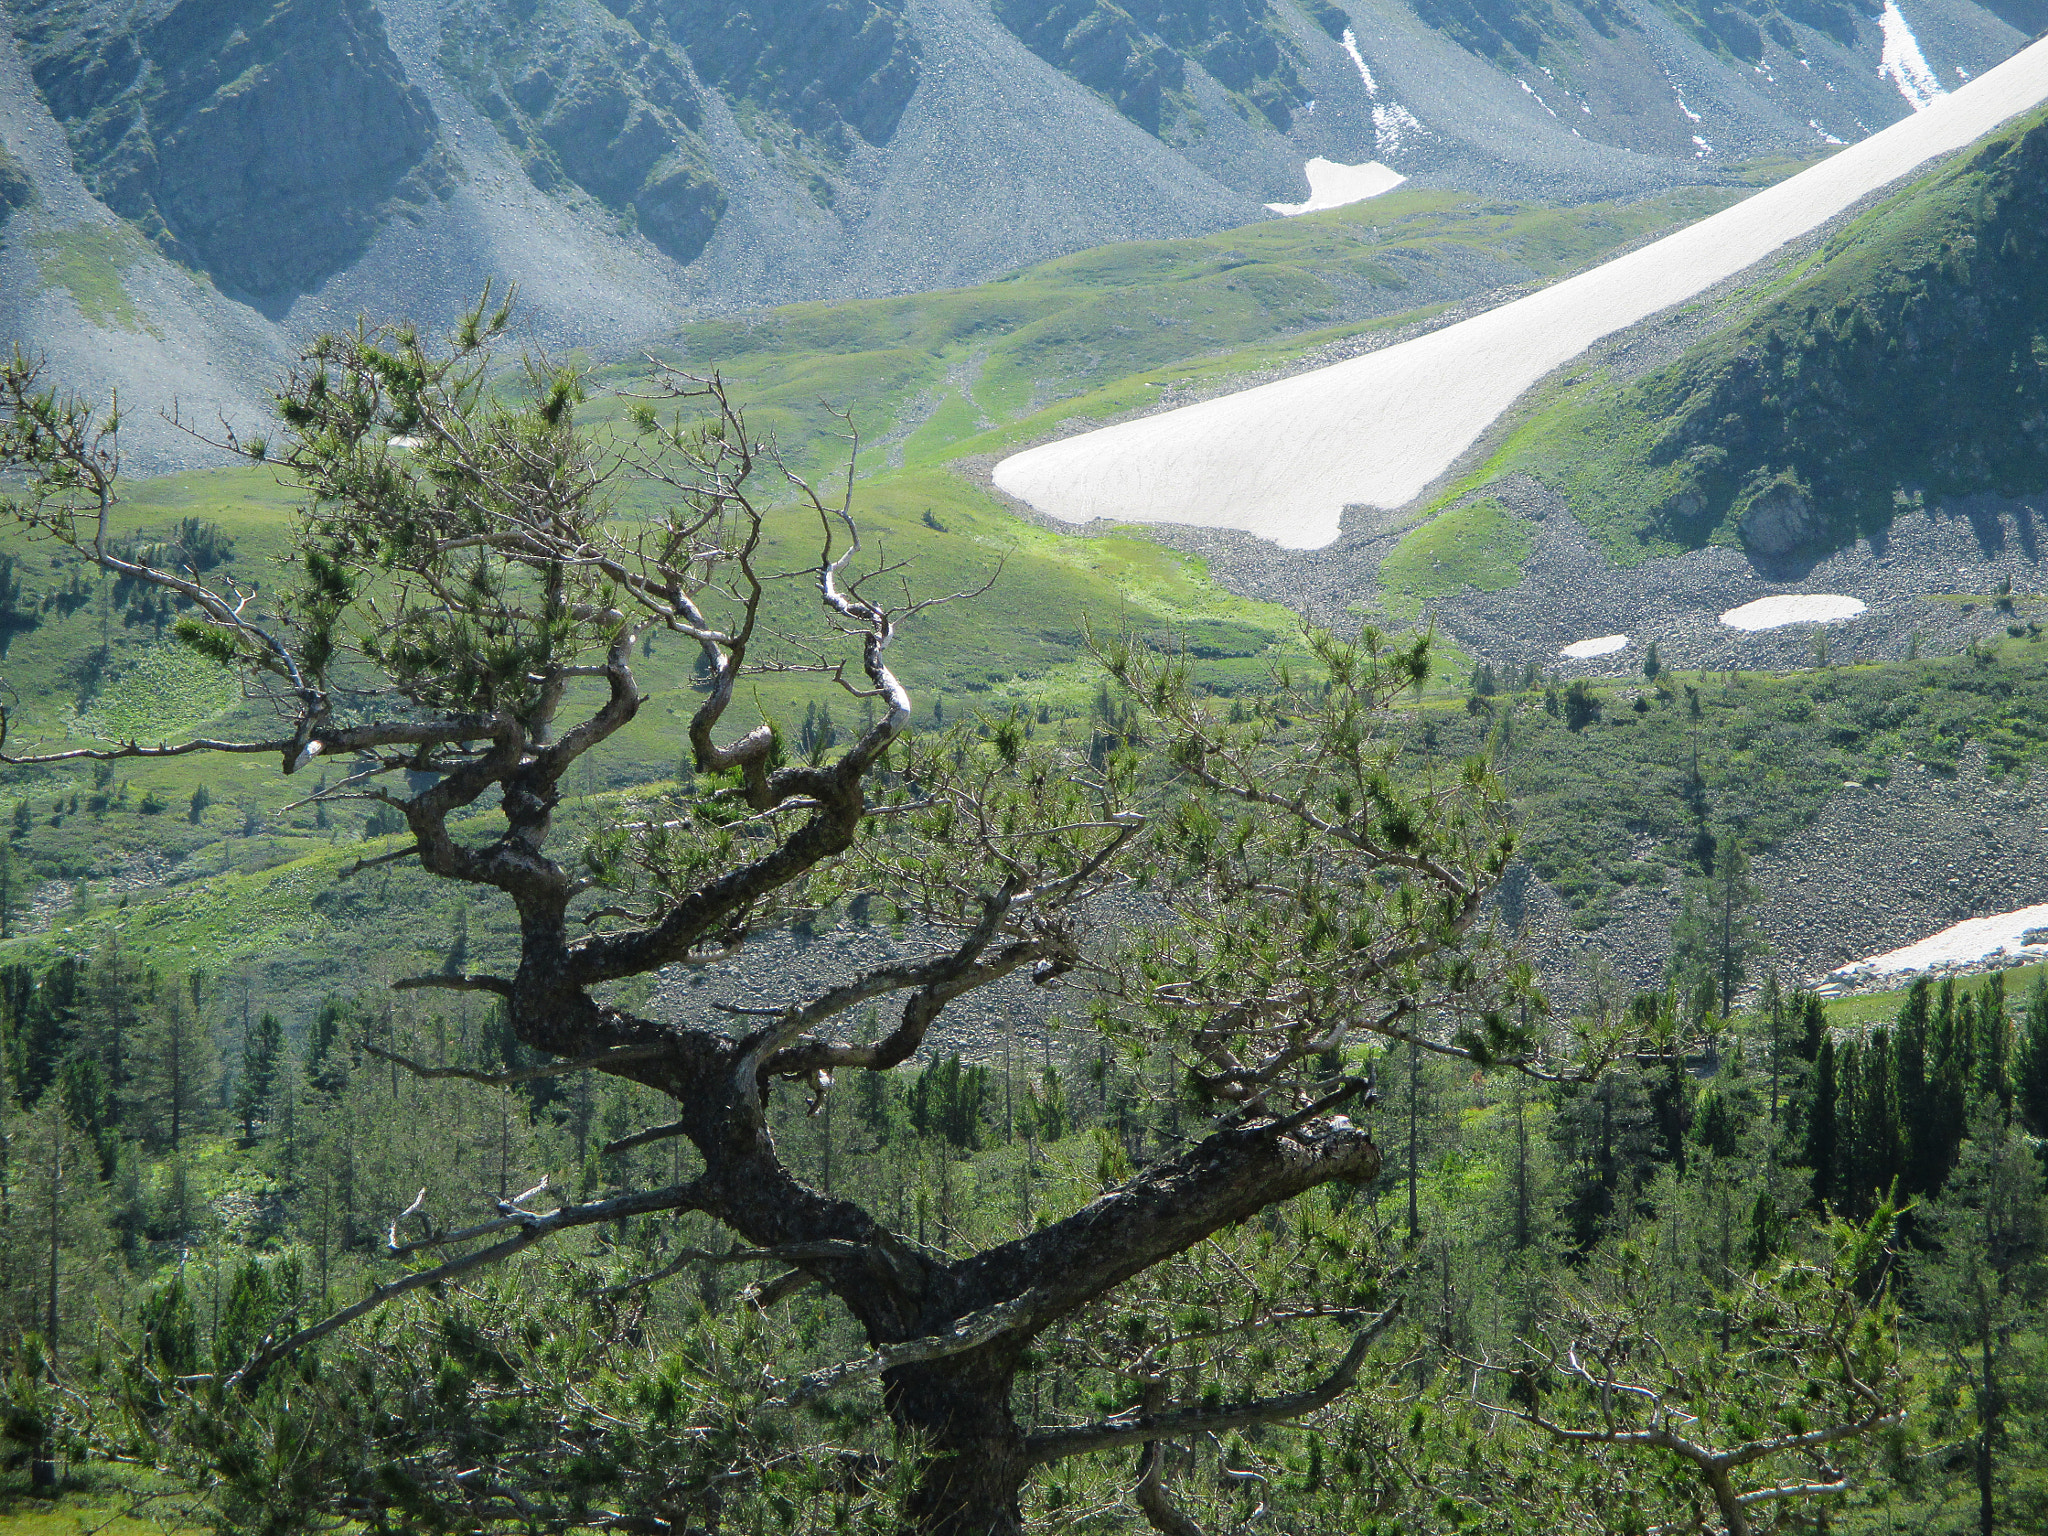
x: 1284, y: 460
x: 638, y: 163
x: 1909, y: 361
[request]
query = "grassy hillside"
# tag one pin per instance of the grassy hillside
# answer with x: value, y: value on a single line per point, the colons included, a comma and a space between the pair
x: 977, y: 370
x: 1907, y: 359
x: 1614, y: 803
x: 195, y: 857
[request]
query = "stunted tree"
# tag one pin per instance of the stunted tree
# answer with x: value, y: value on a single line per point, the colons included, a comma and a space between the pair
x: 463, y: 629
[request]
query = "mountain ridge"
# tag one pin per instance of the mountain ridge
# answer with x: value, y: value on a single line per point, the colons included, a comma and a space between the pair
x: 656, y: 174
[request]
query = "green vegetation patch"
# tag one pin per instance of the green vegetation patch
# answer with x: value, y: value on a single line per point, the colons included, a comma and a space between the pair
x: 1100, y: 333
x: 87, y: 261
x: 1615, y: 802
x: 163, y: 691
x: 1480, y: 544
x: 1908, y: 359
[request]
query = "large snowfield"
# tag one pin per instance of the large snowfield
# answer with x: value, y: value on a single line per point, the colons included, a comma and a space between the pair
x: 1283, y: 460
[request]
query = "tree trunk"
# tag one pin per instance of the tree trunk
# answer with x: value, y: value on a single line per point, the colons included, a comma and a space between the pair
x: 958, y: 1412
x: 1732, y: 1513
x: 42, y: 1471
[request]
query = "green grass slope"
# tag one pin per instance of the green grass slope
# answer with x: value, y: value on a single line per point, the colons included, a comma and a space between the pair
x: 209, y: 860
x: 1097, y: 334
x: 1907, y: 359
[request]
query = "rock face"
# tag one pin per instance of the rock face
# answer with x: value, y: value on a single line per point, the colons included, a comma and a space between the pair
x: 1136, y: 54
x: 1779, y: 520
x: 590, y: 105
x: 263, y: 144
x: 15, y: 187
x: 831, y: 67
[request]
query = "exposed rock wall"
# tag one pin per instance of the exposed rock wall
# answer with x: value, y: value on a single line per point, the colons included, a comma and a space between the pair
x: 264, y: 144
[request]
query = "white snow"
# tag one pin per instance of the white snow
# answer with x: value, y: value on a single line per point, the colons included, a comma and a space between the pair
x: 403, y: 442
x: 1393, y: 126
x: 1350, y: 40
x: 1606, y: 645
x: 1903, y: 63
x: 1966, y: 942
x: 1792, y: 608
x: 1331, y: 185
x: 1391, y: 122
x: 1284, y: 460
x: 1546, y: 106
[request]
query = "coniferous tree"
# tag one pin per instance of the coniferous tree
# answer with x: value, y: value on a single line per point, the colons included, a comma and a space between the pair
x: 2030, y: 1061
x: 1994, y: 1041
x: 256, y: 1084
x: 177, y: 1073
x: 1984, y: 1271
x: 1823, y: 1123
x: 10, y: 891
x: 115, y: 992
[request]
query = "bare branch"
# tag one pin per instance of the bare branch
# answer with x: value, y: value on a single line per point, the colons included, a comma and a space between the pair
x: 642, y: 1138
x: 602, y: 1061
x: 532, y: 1230
x: 466, y: 982
x: 971, y: 1332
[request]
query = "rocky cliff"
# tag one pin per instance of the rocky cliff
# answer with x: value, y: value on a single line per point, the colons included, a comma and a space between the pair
x: 263, y: 144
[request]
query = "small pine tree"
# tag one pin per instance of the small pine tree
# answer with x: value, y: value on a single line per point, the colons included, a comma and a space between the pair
x: 1820, y: 1124
x: 202, y: 797
x: 254, y: 1088
x: 1651, y: 664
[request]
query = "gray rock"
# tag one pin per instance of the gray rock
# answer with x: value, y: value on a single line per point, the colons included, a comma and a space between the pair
x: 1779, y: 521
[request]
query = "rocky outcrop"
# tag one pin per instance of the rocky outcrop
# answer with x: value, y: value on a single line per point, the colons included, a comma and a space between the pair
x: 1779, y: 520
x: 15, y: 188
x: 263, y: 144
x: 1136, y: 53
x: 591, y: 104
x: 830, y: 67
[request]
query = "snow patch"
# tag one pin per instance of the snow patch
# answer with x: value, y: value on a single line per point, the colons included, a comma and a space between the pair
x: 1903, y: 63
x: 1792, y: 608
x: 1350, y: 41
x: 1546, y: 106
x: 1394, y: 125
x: 1331, y: 185
x: 1691, y: 116
x: 1705, y: 149
x: 1825, y: 136
x: 1605, y: 645
x: 1965, y: 943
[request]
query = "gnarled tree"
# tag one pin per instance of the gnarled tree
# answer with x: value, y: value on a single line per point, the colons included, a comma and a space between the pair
x: 461, y: 630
